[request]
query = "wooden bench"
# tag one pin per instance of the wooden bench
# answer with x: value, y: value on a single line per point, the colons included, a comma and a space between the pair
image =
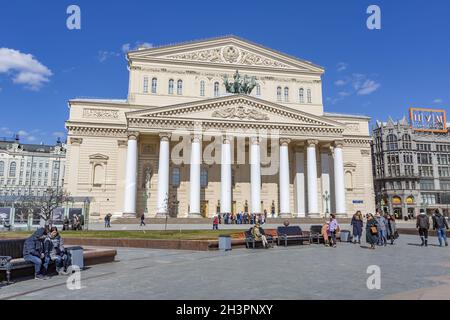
x: 11, y: 258
x: 294, y: 233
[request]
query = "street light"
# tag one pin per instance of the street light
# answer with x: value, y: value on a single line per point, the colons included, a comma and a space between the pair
x: 87, y: 202
x: 326, y: 197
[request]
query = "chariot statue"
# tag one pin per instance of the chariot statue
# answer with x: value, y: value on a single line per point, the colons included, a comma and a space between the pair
x: 240, y: 85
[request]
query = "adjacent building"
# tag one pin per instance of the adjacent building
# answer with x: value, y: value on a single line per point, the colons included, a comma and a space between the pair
x: 411, y: 163
x: 30, y: 169
x: 195, y: 138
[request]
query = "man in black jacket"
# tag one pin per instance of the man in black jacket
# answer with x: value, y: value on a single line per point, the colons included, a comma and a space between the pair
x: 441, y: 226
x: 423, y: 224
x: 33, y: 251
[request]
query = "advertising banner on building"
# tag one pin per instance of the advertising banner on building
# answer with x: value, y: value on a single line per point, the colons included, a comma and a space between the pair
x: 428, y: 120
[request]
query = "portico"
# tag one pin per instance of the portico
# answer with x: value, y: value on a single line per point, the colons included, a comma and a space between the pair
x: 286, y: 162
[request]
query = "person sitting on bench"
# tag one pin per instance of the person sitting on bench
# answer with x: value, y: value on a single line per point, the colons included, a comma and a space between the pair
x: 258, y: 234
x: 55, y: 251
x: 33, y: 251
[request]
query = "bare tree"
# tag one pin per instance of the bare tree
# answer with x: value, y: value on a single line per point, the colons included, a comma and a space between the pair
x: 45, y: 204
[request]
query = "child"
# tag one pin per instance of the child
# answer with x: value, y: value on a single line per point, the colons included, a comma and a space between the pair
x: 326, y: 233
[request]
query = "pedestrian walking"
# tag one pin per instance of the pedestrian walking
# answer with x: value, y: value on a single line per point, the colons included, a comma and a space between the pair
x: 142, y: 220
x: 357, y: 224
x: 423, y: 225
x: 334, y: 229
x: 381, y: 222
x: 216, y: 223
x: 391, y: 228
x: 371, y: 231
x: 441, y: 227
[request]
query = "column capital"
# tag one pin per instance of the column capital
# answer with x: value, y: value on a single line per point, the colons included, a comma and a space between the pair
x: 196, y: 137
x: 133, y: 135
x: 338, y: 143
x: 312, y: 143
x: 76, y: 141
x: 226, y: 139
x: 122, y: 143
x: 285, y: 141
x: 165, y: 136
x: 255, y: 140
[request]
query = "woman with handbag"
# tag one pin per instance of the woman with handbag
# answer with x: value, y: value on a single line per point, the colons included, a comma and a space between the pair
x: 371, y: 231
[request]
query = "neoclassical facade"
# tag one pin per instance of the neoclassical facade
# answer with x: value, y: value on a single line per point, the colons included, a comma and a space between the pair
x: 180, y: 144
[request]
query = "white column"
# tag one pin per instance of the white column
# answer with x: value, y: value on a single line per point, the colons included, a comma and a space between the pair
x: 194, y: 186
x: 225, y: 184
x: 339, y: 183
x: 255, y: 162
x: 326, y: 182
x: 285, y: 199
x: 163, y: 174
x: 300, y: 182
x: 131, y: 177
x: 313, y: 204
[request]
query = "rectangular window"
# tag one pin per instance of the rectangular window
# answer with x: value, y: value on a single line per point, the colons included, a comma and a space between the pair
x: 176, y: 177
x: 309, y: 96
x: 145, y: 84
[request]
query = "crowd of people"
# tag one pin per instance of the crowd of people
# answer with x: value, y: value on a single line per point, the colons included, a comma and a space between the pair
x: 381, y: 228
x: 42, y: 247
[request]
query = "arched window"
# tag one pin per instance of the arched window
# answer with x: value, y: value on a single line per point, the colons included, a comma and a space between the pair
x: 301, y: 95
x: 348, y: 180
x: 392, y: 143
x: 279, y: 93
x: 145, y: 85
x: 180, y: 87
x: 176, y: 177
x: 2, y: 168
x: 216, y: 89
x: 286, y: 94
x: 202, y: 88
x: 258, y: 90
x: 99, y: 175
x: 204, y: 178
x: 309, y: 97
x: 12, y: 169
x: 154, y: 85
x: 407, y: 142
x: 171, y: 86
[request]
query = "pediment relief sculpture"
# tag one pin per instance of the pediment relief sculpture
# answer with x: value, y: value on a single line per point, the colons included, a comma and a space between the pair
x: 231, y: 55
x: 240, y: 113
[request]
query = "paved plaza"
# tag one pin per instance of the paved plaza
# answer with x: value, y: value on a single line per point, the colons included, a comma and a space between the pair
x: 297, y: 272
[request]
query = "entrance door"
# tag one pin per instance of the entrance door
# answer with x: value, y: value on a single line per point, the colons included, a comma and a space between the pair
x: 398, y: 213
x: 233, y: 209
x: 204, y: 209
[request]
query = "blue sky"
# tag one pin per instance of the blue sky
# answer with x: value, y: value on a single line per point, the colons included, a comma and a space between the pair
x: 373, y: 72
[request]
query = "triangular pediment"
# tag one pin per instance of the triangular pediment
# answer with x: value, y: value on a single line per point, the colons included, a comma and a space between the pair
x: 226, y: 51
x: 235, y: 109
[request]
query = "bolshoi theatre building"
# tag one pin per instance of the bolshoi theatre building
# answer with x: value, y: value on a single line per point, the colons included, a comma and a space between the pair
x: 218, y: 126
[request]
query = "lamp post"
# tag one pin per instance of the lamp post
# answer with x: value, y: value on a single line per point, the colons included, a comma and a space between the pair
x: 87, y: 202
x: 326, y: 197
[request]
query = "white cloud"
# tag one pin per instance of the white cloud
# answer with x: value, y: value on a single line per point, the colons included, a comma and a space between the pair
x: 438, y: 101
x: 341, y: 82
x: 105, y: 55
x: 59, y: 134
x: 128, y: 47
x: 342, y: 66
x: 24, y: 69
x: 31, y: 138
x: 23, y: 133
x: 368, y: 87
x: 344, y: 94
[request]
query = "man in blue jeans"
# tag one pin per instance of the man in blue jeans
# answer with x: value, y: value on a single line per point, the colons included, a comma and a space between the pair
x: 33, y: 251
x: 441, y: 226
